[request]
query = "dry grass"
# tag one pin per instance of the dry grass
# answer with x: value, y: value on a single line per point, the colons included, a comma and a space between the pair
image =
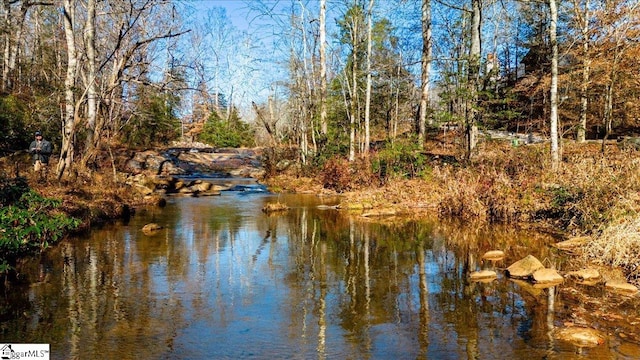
x: 594, y: 193
x: 509, y: 185
x: 618, y: 246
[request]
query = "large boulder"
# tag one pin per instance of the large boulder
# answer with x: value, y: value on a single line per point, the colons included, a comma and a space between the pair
x: 524, y: 269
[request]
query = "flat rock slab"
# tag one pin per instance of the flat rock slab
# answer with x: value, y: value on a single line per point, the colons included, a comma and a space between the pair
x: 585, y: 274
x: 581, y: 337
x: 483, y: 275
x: 622, y: 287
x: 573, y: 243
x: 547, y: 276
x: 524, y: 268
x: 494, y: 255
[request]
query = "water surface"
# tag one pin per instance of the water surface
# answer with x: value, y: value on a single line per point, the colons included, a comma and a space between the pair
x: 223, y: 280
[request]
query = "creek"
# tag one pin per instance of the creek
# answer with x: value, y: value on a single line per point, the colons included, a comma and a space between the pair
x: 224, y: 280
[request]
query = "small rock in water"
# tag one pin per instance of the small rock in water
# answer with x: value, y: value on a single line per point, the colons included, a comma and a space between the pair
x: 151, y: 228
x: 582, y: 337
x: 494, y: 255
x: 524, y: 268
x: 622, y: 287
x: 547, y: 276
x: 482, y: 275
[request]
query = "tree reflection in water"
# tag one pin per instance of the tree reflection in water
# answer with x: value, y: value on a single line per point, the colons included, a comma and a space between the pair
x: 224, y: 280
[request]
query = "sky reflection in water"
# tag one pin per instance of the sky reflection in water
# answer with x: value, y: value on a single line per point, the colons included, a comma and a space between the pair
x: 224, y: 280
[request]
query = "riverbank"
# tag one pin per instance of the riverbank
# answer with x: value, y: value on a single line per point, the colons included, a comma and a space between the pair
x: 595, y: 194
x: 39, y: 211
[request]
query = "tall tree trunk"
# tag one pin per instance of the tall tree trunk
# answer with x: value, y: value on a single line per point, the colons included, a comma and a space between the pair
x: 230, y: 106
x: 555, y: 153
x: 6, y: 44
x: 15, y: 43
x: 92, y: 93
x: 367, y: 109
x: 324, y: 128
x: 394, y: 127
x: 354, y: 94
x: 426, y: 70
x: 582, y: 127
x: 471, y: 127
x: 12, y: 38
x: 68, y: 126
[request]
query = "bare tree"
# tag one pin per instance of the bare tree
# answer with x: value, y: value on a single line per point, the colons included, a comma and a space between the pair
x: 583, y: 18
x: 555, y: 153
x: 426, y: 69
x: 471, y: 127
x: 92, y: 90
x: 367, y: 110
x: 69, y: 119
x: 323, y: 68
x: 13, y: 37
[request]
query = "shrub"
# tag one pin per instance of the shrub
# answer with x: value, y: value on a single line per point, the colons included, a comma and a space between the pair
x: 13, y: 130
x: 28, y: 223
x: 336, y: 174
x: 403, y: 159
x: 11, y: 190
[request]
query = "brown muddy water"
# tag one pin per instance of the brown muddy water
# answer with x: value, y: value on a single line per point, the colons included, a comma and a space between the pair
x: 223, y: 280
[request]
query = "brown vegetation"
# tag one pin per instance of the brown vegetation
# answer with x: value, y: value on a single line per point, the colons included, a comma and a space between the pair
x: 594, y: 193
x: 94, y: 196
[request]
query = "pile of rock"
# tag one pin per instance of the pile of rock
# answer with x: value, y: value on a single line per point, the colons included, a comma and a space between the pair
x: 161, y: 184
x: 531, y: 273
x: 181, y: 161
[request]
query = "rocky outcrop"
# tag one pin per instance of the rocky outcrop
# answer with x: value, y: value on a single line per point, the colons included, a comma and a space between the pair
x: 182, y: 161
x: 153, y: 163
x: 171, y: 185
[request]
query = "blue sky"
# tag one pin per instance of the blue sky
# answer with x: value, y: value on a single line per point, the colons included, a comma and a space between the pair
x: 236, y: 10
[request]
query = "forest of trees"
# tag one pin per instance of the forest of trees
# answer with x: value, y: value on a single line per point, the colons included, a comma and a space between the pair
x: 328, y: 77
